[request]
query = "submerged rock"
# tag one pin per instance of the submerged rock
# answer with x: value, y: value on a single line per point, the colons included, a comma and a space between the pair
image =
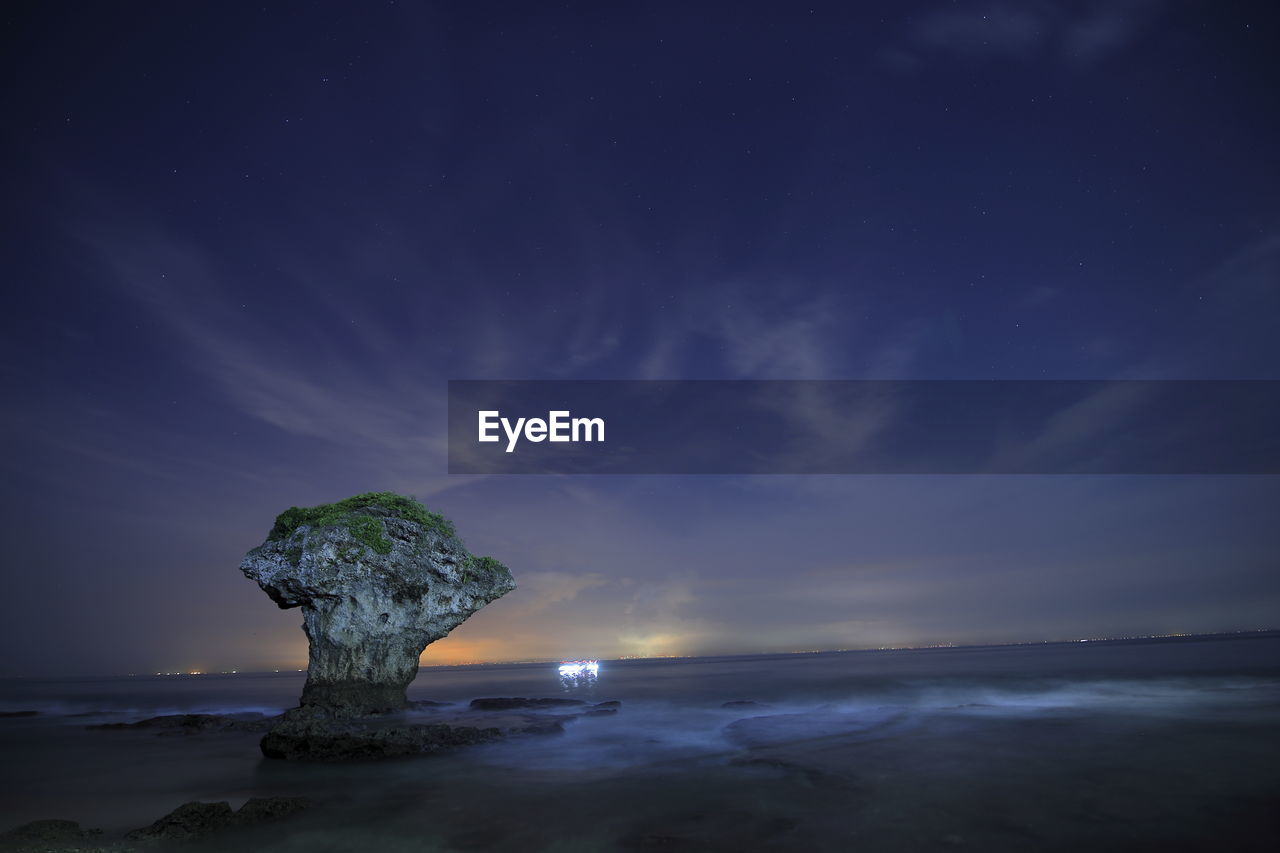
x: 378, y: 578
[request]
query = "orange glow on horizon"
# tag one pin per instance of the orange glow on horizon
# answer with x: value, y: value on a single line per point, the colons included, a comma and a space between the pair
x: 455, y: 651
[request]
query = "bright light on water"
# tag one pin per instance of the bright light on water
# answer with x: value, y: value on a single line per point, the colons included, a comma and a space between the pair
x: 580, y: 668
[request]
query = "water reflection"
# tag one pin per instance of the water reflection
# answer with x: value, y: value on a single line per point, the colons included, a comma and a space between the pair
x: 575, y: 673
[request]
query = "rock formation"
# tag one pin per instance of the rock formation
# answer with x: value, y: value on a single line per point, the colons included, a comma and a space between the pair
x: 196, y: 819
x: 49, y: 835
x: 378, y: 577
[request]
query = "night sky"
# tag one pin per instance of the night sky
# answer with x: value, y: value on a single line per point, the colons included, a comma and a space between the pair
x: 247, y: 246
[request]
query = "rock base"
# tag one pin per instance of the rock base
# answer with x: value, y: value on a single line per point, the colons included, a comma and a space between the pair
x: 355, y: 697
x: 340, y: 739
x: 311, y: 734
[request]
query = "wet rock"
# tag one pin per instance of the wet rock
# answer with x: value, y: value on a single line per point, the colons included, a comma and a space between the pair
x: 46, y: 831
x: 180, y: 724
x: 196, y: 819
x: 191, y: 722
x: 378, y: 578
x: 189, y: 820
x: 344, y: 739
x: 266, y: 809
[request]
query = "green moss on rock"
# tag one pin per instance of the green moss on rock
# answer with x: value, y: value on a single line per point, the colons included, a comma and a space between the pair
x: 480, y: 565
x: 364, y: 526
x: 489, y: 564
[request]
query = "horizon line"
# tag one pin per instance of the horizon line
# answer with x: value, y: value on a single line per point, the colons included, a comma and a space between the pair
x: 529, y: 661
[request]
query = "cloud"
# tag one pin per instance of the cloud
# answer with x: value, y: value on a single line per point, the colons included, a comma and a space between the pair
x: 1078, y: 34
x: 662, y: 618
x: 547, y: 588
x: 1248, y: 277
x: 746, y: 331
x: 798, y: 344
x: 772, y: 329
x: 1226, y: 327
x: 1082, y: 426
x: 319, y: 369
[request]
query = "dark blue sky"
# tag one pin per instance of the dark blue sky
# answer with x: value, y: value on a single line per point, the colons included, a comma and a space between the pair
x: 247, y: 247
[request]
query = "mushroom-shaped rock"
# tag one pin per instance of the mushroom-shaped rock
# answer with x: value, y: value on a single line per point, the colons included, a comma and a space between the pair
x: 378, y: 577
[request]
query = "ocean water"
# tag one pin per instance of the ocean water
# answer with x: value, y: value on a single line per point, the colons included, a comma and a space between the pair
x: 1118, y: 745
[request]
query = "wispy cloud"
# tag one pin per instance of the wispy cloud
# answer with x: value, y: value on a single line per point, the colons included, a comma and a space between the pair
x: 774, y: 330
x: 548, y: 588
x: 1079, y: 34
x: 1081, y: 426
x: 318, y: 369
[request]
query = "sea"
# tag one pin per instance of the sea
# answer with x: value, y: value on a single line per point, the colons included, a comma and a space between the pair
x: 1150, y: 744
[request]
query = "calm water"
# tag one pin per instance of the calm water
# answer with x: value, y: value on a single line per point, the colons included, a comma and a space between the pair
x: 1119, y: 745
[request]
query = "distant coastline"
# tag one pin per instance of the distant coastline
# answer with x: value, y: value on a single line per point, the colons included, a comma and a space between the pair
x: 294, y: 670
